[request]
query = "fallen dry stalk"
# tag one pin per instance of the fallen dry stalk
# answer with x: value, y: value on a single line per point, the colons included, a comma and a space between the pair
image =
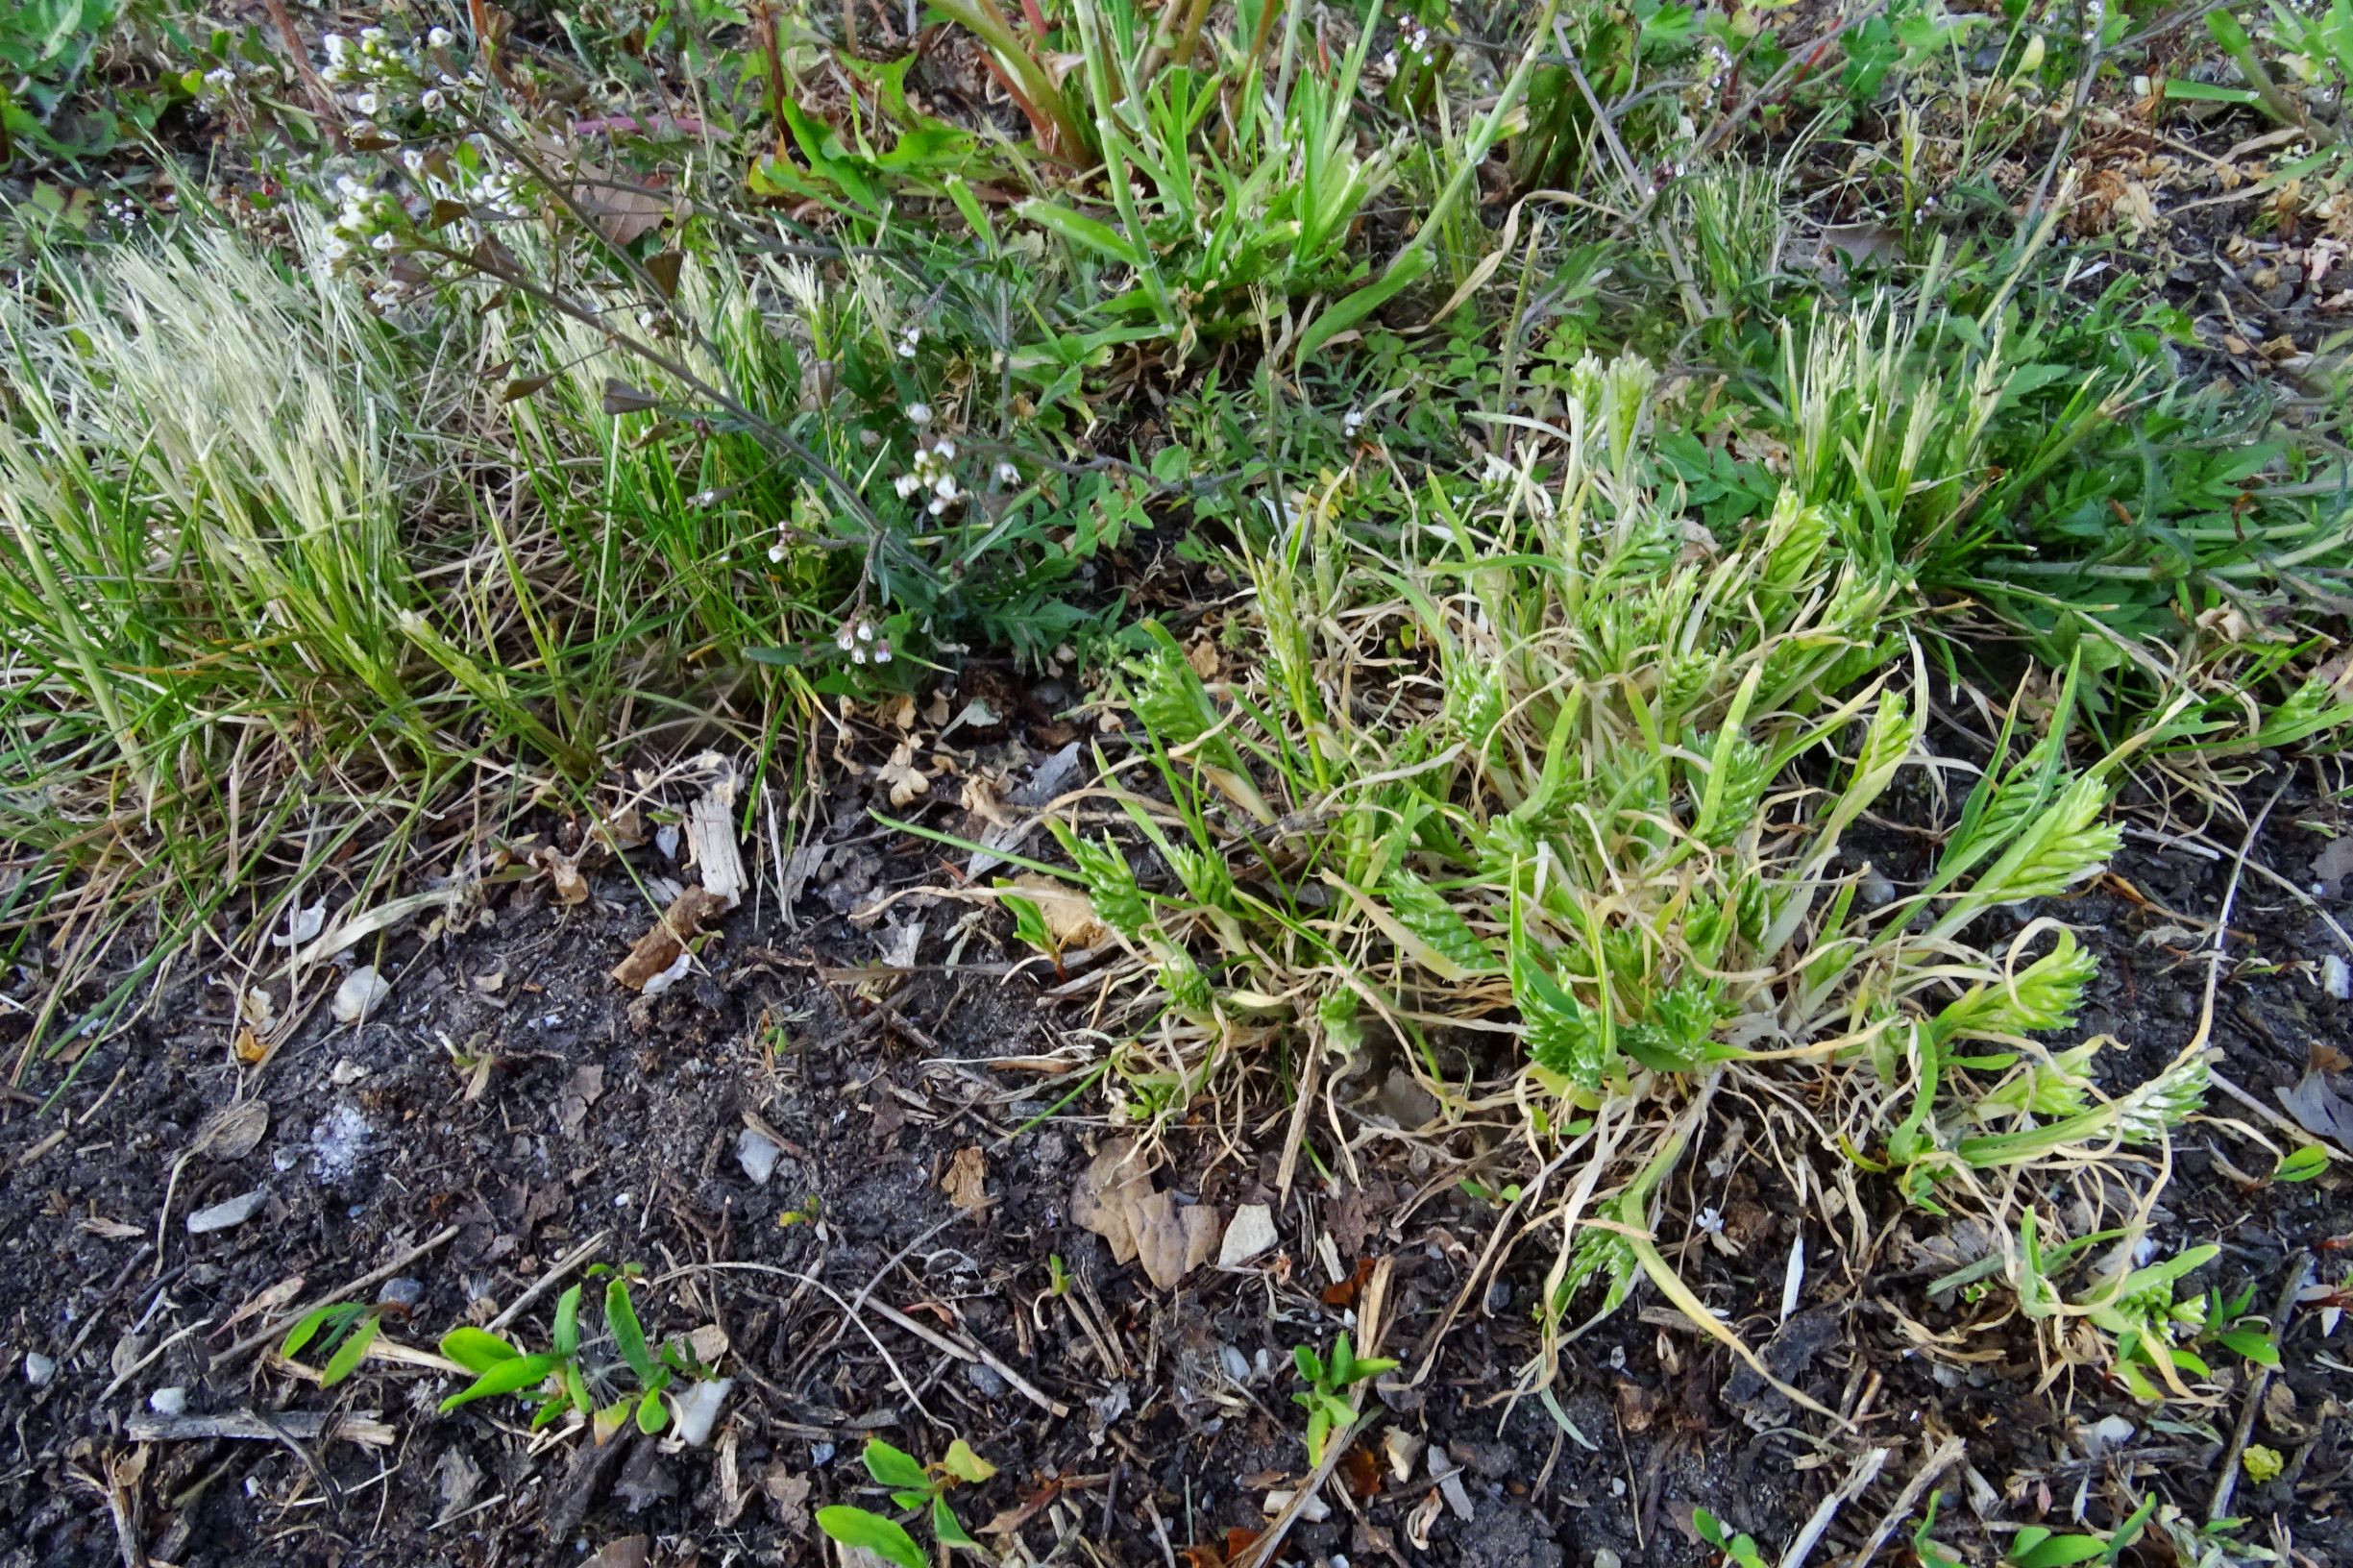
x: 1942, y: 1459
x: 304, y: 1426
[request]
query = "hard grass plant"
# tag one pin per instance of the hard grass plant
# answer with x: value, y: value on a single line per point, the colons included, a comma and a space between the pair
x: 1534, y: 788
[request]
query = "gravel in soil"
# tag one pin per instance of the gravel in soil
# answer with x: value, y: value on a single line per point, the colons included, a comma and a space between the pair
x: 851, y: 1186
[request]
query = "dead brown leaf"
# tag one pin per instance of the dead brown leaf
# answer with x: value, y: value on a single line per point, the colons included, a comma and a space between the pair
x: 905, y: 778
x: 659, y: 947
x: 1112, y: 1183
x: 629, y: 1551
x: 1172, y: 1240
x: 232, y: 1132
x: 2320, y: 1106
x: 563, y: 873
x: 624, y: 212
x: 1008, y: 1520
x: 2334, y: 863
x: 788, y: 1499
x: 1114, y: 1197
x: 1069, y: 914
x: 967, y: 1182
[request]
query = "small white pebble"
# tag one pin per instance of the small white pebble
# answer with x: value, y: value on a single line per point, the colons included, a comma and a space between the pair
x: 168, y: 1401
x: 2336, y: 978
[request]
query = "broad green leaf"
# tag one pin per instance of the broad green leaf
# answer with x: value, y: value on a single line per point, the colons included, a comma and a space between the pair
x: 871, y: 1531
x: 944, y: 1525
x: 567, y: 1336
x: 1086, y: 232
x: 964, y: 1464
x: 477, y: 1350
x: 2254, y: 1346
x: 2059, y: 1551
x: 894, y: 1466
x: 652, y: 1416
x: 620, y: 1316
x: 506, y: 1377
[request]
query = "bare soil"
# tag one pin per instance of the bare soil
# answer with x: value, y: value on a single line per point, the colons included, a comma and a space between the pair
x: 1153, y: 1423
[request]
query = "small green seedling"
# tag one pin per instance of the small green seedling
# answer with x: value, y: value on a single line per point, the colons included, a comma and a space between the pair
x: 1931, y: 1553
x: 912, y: 1485
x: 2301, y: 1164
x: 1328, y: 1381
x: 556, y: 1378
x: 346, y: 1326
x: 1057, y: 1275
x: 2036, y: 1547
x: 1739, y: 1550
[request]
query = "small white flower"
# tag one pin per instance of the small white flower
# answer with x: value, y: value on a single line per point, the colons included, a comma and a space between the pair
x: 920, y: 412
x: 1007, y: 473
x: 430, y: 101
x: 1353, y: 421
x: 857, y: 656
x: 938, y: 508
x: 337, y: 45
x: 775, y: 552
x: 944, y: 451
x: 366, y: 103
x: 882, y: 654
x: 384, y: 242
x: 866, y: 631
x: 371, y: 34
x: 439, y: 37
x: 1711, y: 1222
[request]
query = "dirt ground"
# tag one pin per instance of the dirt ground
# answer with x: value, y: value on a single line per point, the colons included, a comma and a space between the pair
x: 509, y: 1111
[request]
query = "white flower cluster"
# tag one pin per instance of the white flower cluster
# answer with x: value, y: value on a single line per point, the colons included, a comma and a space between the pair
x: 1414, y: 46
x: 382, y: 77
x: 907, y: 340
x: 864, y: 644
x: 931, y: 473
x: 367, y: 219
